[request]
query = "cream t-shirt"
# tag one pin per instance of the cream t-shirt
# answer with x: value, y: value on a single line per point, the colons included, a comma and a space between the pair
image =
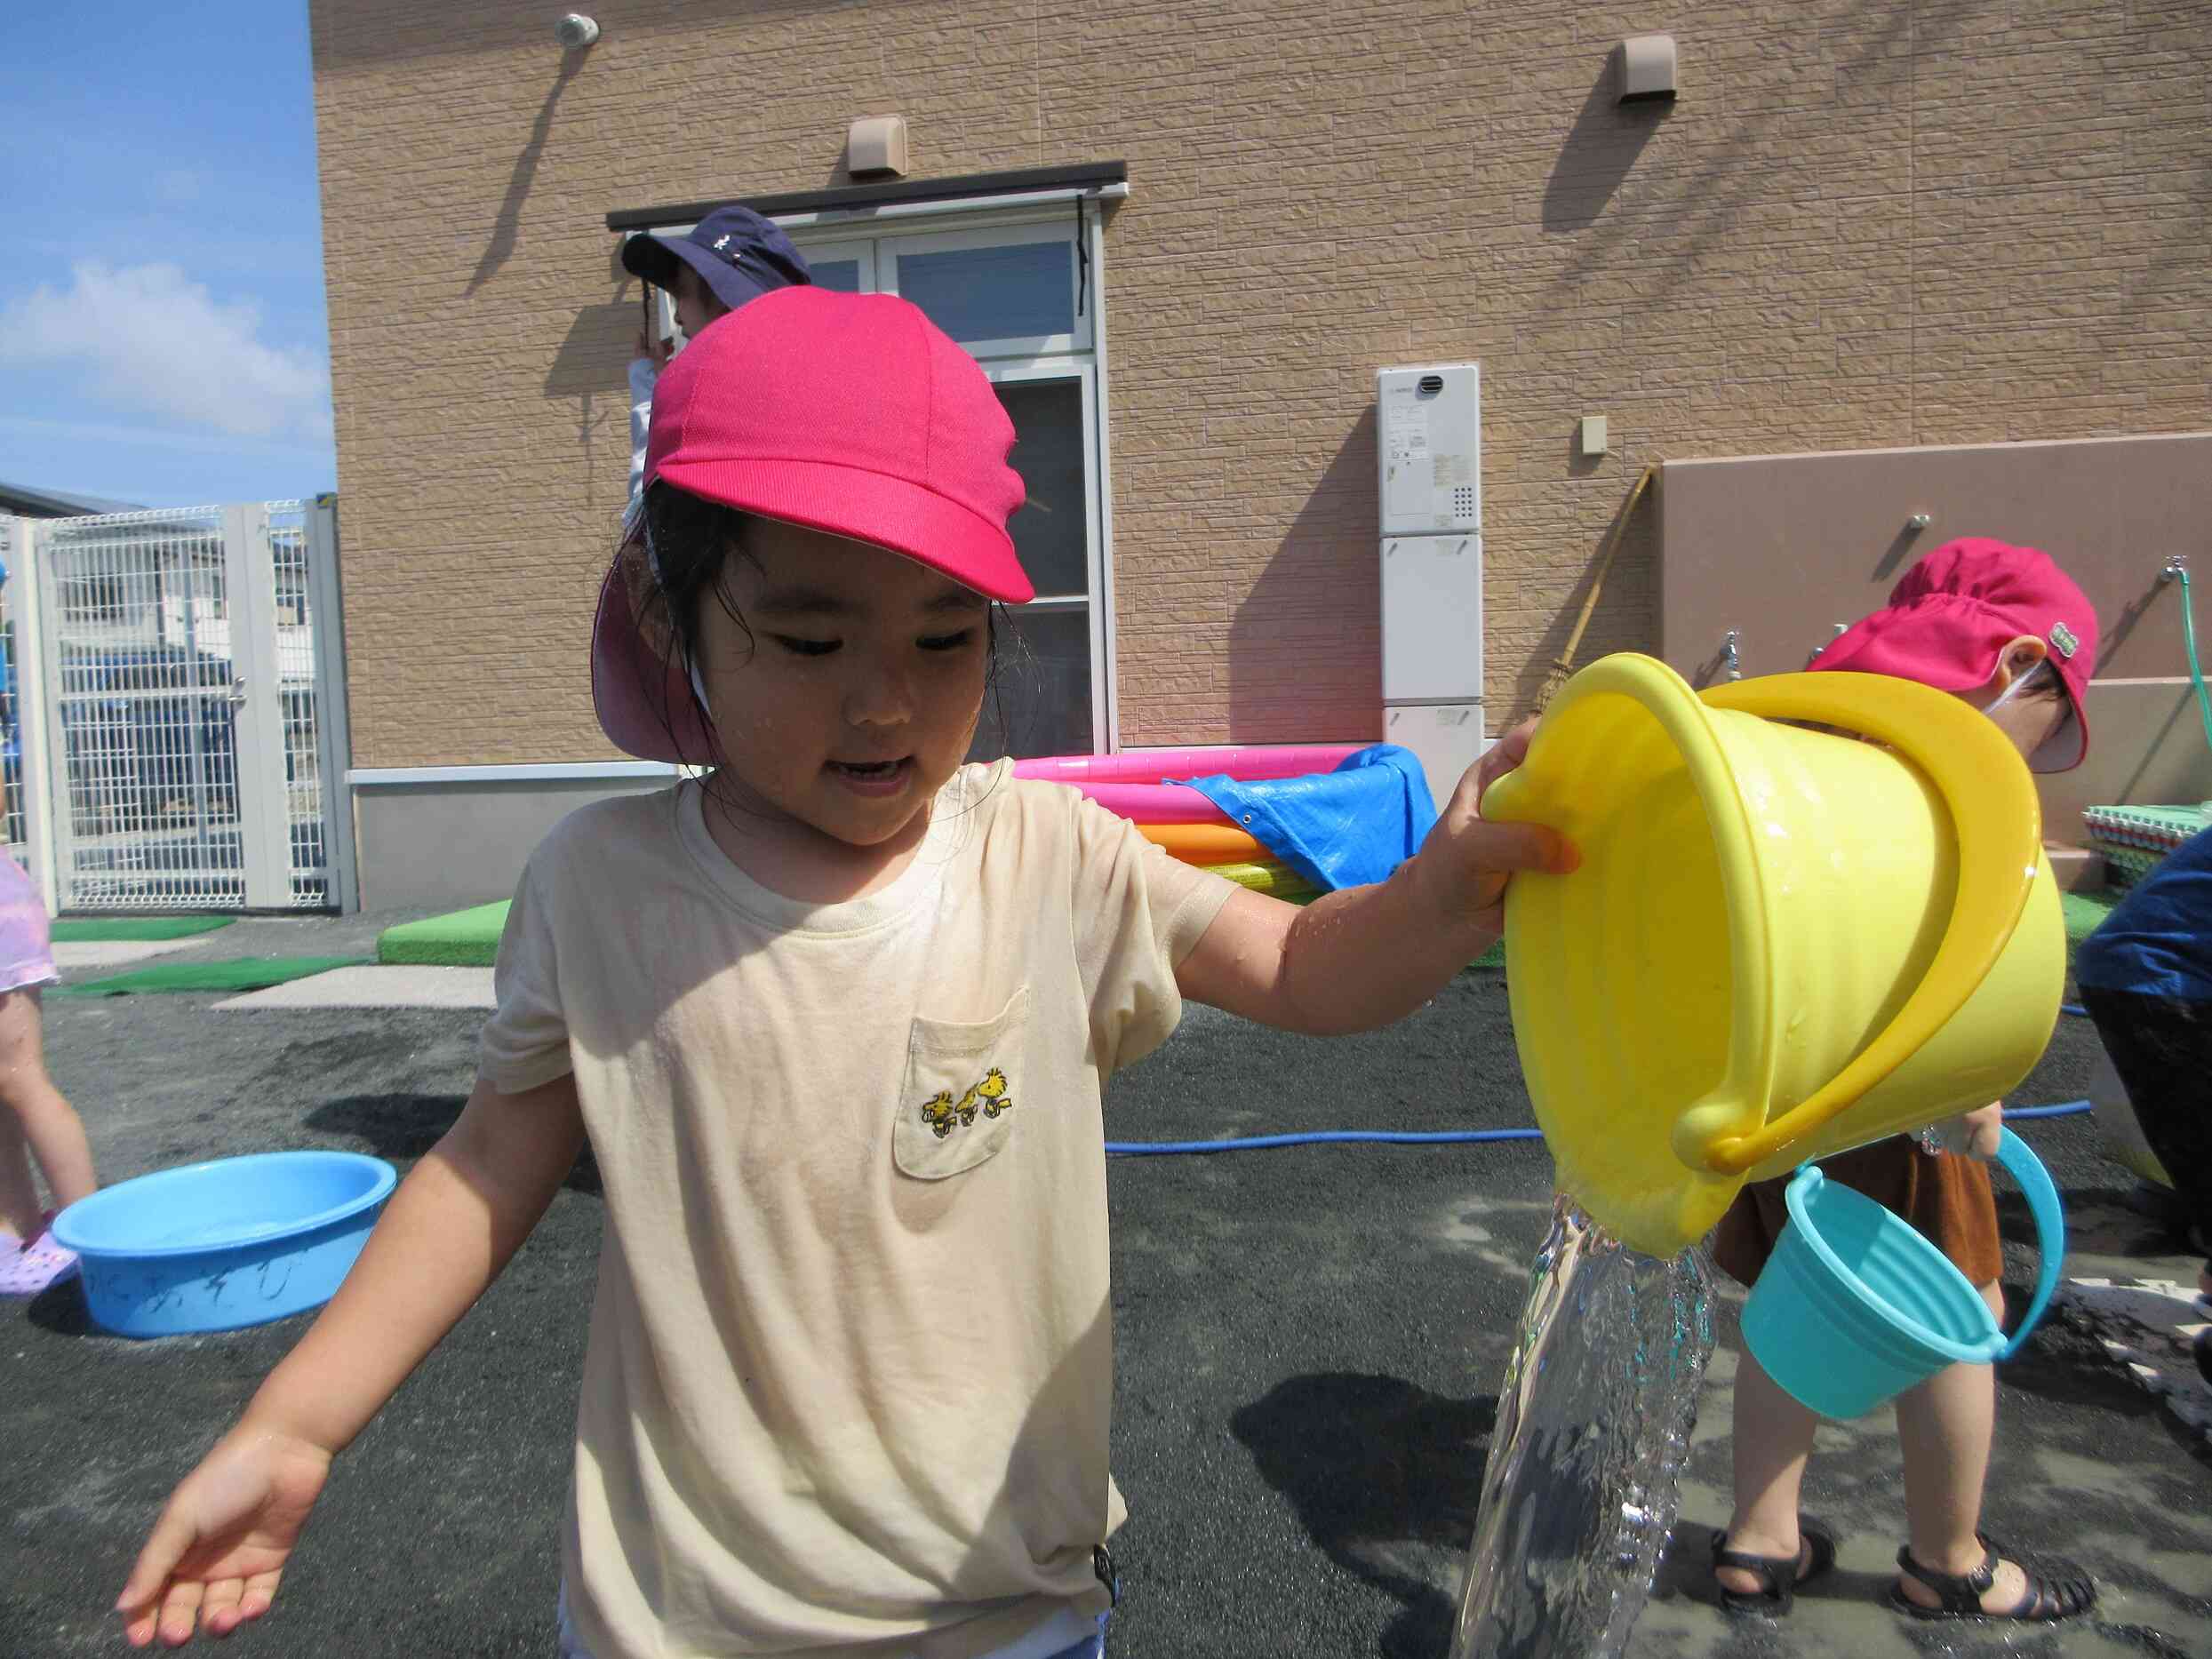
x: 850, y: 1361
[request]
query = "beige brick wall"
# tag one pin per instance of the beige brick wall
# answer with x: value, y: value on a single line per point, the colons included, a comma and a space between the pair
x: 1863, y: 225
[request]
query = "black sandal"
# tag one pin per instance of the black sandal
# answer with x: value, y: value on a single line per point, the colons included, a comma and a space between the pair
x: 1776, y: 1594
x: 2047, y: 1599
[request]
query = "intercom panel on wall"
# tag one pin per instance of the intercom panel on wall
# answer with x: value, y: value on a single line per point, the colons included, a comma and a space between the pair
x: 1429, y: 440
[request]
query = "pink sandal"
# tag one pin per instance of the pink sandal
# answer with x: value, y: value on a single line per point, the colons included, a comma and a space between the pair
x: 26, y: 1269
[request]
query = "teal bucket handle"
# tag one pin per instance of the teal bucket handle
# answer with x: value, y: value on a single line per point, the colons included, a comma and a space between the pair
x: 2050, y: 1229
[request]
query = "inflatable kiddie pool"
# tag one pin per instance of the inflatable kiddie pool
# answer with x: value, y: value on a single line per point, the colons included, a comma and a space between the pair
x: 1131, y: 786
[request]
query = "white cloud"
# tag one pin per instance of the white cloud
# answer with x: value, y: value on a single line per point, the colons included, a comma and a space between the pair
x: 150, y: 340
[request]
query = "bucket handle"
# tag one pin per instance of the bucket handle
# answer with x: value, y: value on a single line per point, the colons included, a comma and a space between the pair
x: 1998, y: 822
x: 2050, y: 1230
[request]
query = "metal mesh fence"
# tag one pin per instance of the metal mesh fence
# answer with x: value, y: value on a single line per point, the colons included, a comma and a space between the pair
x: 14, y: 828
x: 298, y: 692
x: 177, y: 672
x: 149, y: 792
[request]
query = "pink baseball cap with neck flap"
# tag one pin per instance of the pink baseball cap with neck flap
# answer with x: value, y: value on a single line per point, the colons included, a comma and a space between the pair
x: 848, y: 413
x: 1950, y: 616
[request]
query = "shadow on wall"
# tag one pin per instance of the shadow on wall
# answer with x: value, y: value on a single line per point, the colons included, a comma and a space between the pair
x: 1304, y: 641
x: 589, y: 366
x: 1384, y: 1477
x: 510, y: 214
x: 1707, y: 198
x: 1600, y: 147
x: 1623, y: 619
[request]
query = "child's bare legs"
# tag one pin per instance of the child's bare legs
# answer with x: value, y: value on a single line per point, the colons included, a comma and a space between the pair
x: 1774, y: 1437
x: 36, y: 1122
x: 20, y: 1213
x: 1945, y: 1427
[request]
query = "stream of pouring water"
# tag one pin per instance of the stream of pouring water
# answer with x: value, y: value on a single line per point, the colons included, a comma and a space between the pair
x: 1594, y: 1421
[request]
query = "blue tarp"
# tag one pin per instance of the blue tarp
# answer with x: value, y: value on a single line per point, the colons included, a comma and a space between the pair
x: 1337, y: 829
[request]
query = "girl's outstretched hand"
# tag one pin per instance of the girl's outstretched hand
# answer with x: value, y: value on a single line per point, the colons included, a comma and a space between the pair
x: 219, y: 1547
x: 1479, y: 857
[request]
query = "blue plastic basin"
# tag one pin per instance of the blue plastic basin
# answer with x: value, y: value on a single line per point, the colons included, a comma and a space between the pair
x: 220, y: 1246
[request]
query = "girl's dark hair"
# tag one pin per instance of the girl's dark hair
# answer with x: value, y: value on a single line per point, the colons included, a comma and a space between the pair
x: 687, y: 544
x: 2044, y: 681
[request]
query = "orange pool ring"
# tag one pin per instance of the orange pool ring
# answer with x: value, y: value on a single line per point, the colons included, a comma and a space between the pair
x: 1206, y: 844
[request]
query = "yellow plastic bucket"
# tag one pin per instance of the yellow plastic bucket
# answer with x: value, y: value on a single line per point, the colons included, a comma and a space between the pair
x: 1780, y: 943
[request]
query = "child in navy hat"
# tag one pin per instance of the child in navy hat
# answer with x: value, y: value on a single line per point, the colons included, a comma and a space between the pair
x: 730, y: 256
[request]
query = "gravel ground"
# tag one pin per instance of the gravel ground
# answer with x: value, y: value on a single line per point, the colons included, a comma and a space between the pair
x: 1309, y: 1344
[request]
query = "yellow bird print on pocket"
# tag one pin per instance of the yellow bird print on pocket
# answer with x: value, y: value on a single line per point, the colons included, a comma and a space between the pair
x: 993, y: 1090
x: 940, y: 1115
x: 944, y: 1114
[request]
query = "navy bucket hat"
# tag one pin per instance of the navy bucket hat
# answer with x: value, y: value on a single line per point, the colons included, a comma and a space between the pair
x: 737, y: 254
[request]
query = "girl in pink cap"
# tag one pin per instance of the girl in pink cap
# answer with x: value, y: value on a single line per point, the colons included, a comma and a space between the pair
x: 833, y: 1019
x: 2006, y: 629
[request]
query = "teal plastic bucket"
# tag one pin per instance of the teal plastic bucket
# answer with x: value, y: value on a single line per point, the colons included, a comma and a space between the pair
x: 1854, y: 1306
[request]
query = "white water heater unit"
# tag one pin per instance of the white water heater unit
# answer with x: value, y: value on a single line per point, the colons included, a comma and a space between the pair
x: 1429, y: 456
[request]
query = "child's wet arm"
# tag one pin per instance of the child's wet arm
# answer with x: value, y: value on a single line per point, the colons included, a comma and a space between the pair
x: 450, y: 1228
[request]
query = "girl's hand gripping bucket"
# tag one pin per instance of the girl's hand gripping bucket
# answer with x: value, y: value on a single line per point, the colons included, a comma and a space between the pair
x: 1780, y: 943
x: 1854, y: 1306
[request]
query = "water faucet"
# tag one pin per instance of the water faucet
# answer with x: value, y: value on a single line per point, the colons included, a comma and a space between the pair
x: 1733, y: 664
x: 1837, y: 630
x: 2176, y: 568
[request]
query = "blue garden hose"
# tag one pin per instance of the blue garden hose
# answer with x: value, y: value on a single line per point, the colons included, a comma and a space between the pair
x: 2069, y: 1109
x: 1467, y: 1137
x: 1320, y: 1137
x: 1398, y: 1137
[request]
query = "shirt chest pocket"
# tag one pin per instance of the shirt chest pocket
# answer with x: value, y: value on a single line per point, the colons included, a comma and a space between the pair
x: 962, y: 1097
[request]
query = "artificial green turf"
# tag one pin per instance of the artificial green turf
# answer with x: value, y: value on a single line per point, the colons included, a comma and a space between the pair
x: 106, y: 929
x: 2085, y: 912
x: 252, y: 973
x: 468, y: 938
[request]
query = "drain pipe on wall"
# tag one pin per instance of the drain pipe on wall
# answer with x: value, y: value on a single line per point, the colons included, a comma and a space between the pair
x: 1562, y: 666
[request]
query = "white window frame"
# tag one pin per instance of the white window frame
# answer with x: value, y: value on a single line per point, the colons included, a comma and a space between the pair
x: 1084, y: 373
x: 898, y: 245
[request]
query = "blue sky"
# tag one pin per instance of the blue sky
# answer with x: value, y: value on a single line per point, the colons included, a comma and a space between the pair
x: 162, y: 337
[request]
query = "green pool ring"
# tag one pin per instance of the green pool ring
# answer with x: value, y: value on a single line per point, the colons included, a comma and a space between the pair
x: 1278, y: 880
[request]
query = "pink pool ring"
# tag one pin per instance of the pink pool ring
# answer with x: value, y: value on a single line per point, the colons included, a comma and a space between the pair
x: 1131, y: 786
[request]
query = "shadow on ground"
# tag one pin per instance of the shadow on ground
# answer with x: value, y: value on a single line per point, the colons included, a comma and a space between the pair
x: 402, y: 1128
x: 1375, y: 1466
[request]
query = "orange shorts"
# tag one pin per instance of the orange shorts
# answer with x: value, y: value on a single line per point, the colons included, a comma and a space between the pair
x: 1948, y: 1199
